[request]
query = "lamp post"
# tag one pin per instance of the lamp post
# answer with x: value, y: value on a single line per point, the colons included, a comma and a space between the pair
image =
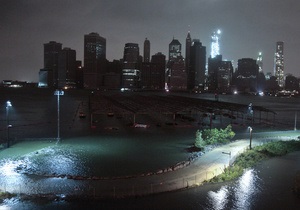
x: 250, y: 130
x: 58, y: 93
x: 295, y: 125
x: 250, y: 112
x: 8, y: 104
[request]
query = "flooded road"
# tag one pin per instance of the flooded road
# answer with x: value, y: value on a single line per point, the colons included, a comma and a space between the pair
x: 85, y: 153
x: 267, y: 186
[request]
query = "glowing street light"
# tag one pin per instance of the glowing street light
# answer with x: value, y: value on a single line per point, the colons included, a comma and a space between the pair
x: 250, y: 130
x: 58, y: 93
x: 8, y: 104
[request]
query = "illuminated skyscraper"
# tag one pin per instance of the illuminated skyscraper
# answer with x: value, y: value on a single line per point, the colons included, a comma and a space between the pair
x: 146, y: 50
x: 259, y: 62
x: 215, y: 47
x: 279, y: 64
x: 174, y: 49
x: 131, y: 75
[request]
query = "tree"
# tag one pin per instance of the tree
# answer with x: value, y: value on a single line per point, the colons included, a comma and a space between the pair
x: 213, y: 136
x: 199, y: 142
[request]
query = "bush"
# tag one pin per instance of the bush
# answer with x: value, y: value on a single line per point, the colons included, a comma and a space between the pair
x: 251, y: 157
x: 213, y: 136
x: 199, y: 142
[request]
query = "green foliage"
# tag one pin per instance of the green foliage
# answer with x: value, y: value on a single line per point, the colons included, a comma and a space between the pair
x: 251, y: 157
x: 199, y: 142
x: 213, y: 136
x: 4, y: 195
x: 278, y: 148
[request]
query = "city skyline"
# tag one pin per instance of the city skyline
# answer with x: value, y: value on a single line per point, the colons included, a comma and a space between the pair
x: 247, y: 29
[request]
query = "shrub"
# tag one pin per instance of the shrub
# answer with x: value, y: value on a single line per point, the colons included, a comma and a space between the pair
x: 199, y: 142
x: 213, y: 136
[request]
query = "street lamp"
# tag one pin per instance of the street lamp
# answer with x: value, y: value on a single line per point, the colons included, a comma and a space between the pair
x: 8, y: 104
x: 58, y: 93
x: 250, y: 130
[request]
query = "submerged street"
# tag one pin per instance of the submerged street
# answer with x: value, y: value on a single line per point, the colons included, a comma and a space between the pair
x: 124, y: 162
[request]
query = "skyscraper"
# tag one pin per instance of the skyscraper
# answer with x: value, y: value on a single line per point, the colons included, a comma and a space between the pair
x: 259, y: 62
x: 279, y: 64
x: 215, y: 47
x: 196, y: 72
x: 51, y: 51
x: 176, y: 73
x: 246, y: 75
x: 174, y: 49
x: 214, y: 62
x: 131, y: 53
x: 131, y: 56
x: 131, y: 75
x: 188, y: 43
x: 146, y: 50
x: 67, y: 68
x: 94, y: 60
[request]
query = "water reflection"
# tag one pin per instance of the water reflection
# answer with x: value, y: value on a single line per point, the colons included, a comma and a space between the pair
x: 238, y: 196
x: 246, y: 189
x: 218, y: 200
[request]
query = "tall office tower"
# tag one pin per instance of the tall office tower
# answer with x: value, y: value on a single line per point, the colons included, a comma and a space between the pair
x: 279, y: 64
x: 174, y: 49
x: 51, y: 51
x: 158, y: 67
x: 176, y: 73
x: 79, y: 74
x: 225, y: 74
x: 67, y: 68
x: 131, y: 75
x: 153, y: 73
x: 215, y: 47
x: 94, y: 60
x: 196, y: 72
x: 188, y: 43
x: 146, y: 50
x: 131, y: 56
x: 246, y: 75
x: 259, y: 62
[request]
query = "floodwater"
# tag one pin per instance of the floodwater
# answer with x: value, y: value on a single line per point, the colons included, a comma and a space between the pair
x: 101, y: 152
x: 267, y: 186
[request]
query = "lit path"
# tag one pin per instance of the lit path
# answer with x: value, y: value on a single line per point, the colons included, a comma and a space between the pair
x: 203, y: 168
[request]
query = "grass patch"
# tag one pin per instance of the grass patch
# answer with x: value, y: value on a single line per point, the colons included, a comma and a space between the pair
x: 251, y: 157
x: 4, y: 195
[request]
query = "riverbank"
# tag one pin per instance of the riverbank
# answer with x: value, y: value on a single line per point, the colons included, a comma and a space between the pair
x: 252, y: 157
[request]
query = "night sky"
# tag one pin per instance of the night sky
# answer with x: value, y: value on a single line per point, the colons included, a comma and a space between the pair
x: 248, y: 26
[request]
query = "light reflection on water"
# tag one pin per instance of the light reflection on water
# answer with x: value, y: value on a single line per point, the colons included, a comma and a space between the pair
x: 246, y: 189
x: 218, y: 200
x: 240, y: 195
x: 253, y: 190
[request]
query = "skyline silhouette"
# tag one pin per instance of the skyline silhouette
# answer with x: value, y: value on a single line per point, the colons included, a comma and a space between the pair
x: 247, y: 29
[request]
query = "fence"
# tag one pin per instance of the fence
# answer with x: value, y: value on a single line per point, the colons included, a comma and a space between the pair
x: 95, y: 187
x: 53, y: 187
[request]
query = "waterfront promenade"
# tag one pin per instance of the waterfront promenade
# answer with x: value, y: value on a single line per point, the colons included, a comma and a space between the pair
x: 190, y: 174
